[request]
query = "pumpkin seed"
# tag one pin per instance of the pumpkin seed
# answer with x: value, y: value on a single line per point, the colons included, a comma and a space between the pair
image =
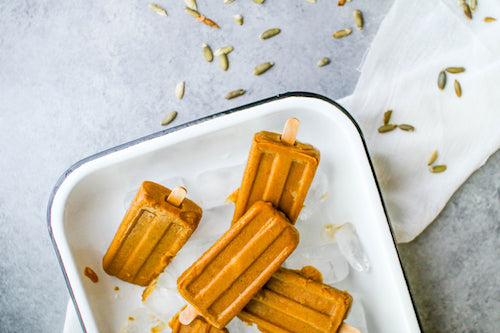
x: 455, y: 70
x: 467, y: 11
x: 323, y: 62
x: 441, y: 80
x: 228, y: 1
x: 157, y: 9
x: 235, y: 93
x: 438, y: 168
x: 192, y: 12
x: 179, y: 89
x: 223, y: 62
x: 191, y: 4
x: 458, y: 89
x: 341, y: 2
x: 489, y: 19
x: 269, y: 33
x: 387, y: 128
x: 223, y: 50
x: 311, y: 1
x: 238, y: 19
x: 258, y: 1
x: 169, y: 118
x: 387, y: 116
x: 406, y: 127
x: 207, y: 52
x: 473, y: 5
x: 433, y: 158
x: 342, y: 33
x: 262, y: 68
x: 358, y: 19
x: 209, y: 22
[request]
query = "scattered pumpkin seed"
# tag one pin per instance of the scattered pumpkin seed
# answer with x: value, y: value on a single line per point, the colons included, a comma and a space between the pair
x: 158, y: 9
x: 269, y: 33
x: 169, y: 118
x: 467, y: 11
x: 489, y: 19
x: 387, y: 116
x: 238, y: 19
x: 458, y: 89
x: 406, y: 127
x: 235, y: 93
x: 209, y: 22
x: 433, y: 158
x: 179, y: 89
x: 223, y: 62
x: 262, y: 68
x: 258, y: 1
x: 207, y: 52
x: 438, y: 168
x: 387, y: 128
x: 358, y: 19
x: 342, y: 33
x: 473, y: 5
x: 223, y: 50
x: 341, y: 2
x: 228, y: 1
x: 191, y: 4
x: 192, y: 12
x: 323, y: 62
x: 455, y: 70
x: 311, y: 1
x: 441, y: 80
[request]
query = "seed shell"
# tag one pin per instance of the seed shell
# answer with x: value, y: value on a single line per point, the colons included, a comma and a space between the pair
x: 169, y: 118
x: 455, y: 70
x: 192, y: 12
x: 387, y: 128
x: 223, y: 62
x: 387, y: 116
x: 191, y: 4
x: 358, y: 19
x: 235, y: 93
x: 238, y: 19
x: 438, y: 168
x: 467, y: 11
x: 323, y: 62
x: 179, y: 89
x: 223, y: 50
x: 207, y: 52
x: 269, y: 33
x: 458, y: 89
x: 158, y: 9
x: 433, y: 158
x: 441, y: 80
x: 473, y: 5
x: 262, y: 68
x: 489, y: 19
x: 342, y: 33
x: 406, y: 127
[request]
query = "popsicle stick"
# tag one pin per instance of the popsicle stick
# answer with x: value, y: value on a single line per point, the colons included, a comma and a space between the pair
x: 290, y: 131
x: 177, y: 196
x: 346, y: 328
x: 188, y: 315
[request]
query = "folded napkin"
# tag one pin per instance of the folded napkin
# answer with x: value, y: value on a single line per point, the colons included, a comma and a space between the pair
x: 416, y: 40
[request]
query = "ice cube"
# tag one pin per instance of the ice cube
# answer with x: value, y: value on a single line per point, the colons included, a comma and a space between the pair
x: 214, y: 186
x: 356, y: 317
x: 142, y: 320
x: 326, y: 258
x: 238, y: 326
x: 351, y: 247
x: 318, y: 191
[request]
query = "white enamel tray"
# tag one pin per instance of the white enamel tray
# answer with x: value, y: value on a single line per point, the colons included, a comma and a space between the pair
x: 87, y: 204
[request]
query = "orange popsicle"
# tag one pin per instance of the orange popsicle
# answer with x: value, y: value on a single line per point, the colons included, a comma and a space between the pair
x: 158, y: 223
x: 198, y: 325
x: 220, y: 283
x: 279, y: 170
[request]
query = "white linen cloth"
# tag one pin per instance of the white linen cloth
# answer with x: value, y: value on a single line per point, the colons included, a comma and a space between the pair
x: 416, y: 40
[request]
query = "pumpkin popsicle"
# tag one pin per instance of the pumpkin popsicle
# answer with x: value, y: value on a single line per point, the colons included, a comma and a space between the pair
x: 198, y: 325
x: 226, y: 277
x: 279, y: 170
x: 292, y: 301
x: 158, y: 223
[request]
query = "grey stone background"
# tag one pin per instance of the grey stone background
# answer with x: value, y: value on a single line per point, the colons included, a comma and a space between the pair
x: 77, y: 77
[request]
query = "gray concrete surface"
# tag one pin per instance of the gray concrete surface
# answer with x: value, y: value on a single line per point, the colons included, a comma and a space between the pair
x: 77, y: 77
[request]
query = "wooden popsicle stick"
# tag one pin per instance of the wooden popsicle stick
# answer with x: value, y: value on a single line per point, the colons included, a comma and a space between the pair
x: 188, y: 315
x: 346, y: 328
x: 177, y: 196
x: 290, y: 131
